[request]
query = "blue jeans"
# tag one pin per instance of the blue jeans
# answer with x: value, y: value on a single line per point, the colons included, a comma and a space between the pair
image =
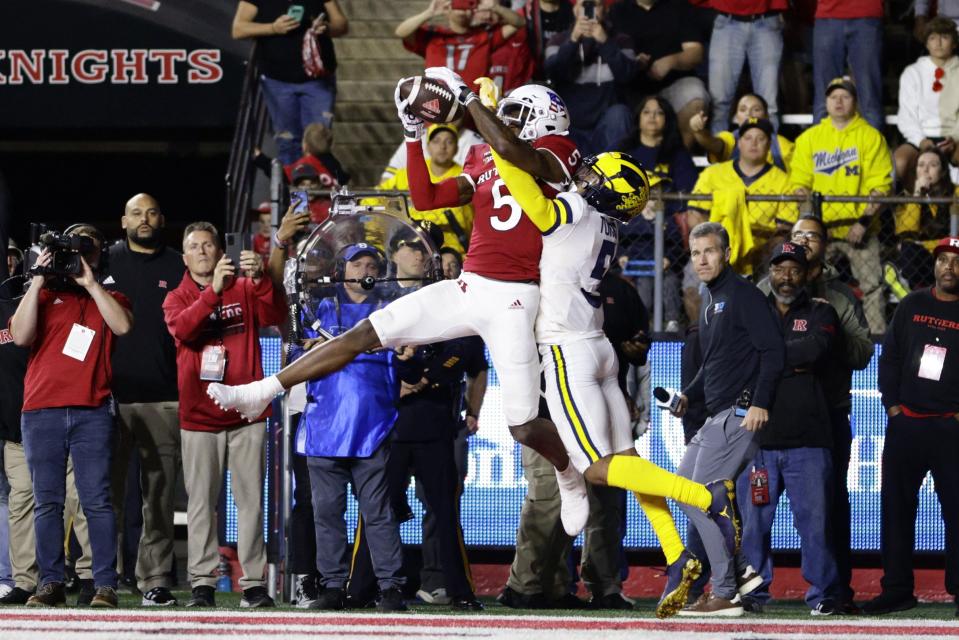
x: 612, y: 128
x: 732, y: 43
x: 858, y: 40
x: 805, y: 474
x: 293, y: 106
x: 6, y: 572
x: 86, y: 434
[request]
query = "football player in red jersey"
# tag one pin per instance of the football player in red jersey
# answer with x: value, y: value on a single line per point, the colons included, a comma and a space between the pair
x: 496, y: 296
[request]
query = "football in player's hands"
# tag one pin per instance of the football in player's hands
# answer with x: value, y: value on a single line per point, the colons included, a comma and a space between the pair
x: 430, y: 99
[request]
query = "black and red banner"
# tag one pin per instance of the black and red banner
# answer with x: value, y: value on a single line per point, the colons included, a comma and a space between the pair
x: 118, y: 64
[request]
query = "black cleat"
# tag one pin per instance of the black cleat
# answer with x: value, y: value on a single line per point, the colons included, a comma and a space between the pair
x: 16, y: 596
x: 466, y: 603
x: 202, y: 596
x: 391, y: 600
x: 888, y: 603
x: 329, y: 599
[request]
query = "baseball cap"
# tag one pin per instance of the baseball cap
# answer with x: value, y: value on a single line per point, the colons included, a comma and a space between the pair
x: 406, y: 237
x: 789, y: 251
x: 762, y: 124
x: 302, y: 171
x: 950, y: 244
x: 442, y: 126
x: 354, y: 251
x: 263, y: 207
x: 843, y: 82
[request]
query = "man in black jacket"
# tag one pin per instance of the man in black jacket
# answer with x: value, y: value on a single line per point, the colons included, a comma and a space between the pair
x: 794, y: 453
x: 743, y: 356
x: 919, y: 379
x: 145, y: 386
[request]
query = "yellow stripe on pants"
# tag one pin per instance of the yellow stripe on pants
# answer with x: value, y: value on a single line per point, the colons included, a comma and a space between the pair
x: 569, y: 407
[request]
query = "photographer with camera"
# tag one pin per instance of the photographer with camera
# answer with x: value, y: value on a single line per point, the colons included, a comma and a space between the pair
x: 70, y: 322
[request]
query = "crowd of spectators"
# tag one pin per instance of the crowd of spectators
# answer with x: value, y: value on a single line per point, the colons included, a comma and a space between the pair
x: 663, y: 80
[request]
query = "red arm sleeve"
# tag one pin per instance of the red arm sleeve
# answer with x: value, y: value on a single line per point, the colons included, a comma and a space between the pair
x: 425, y: 194
x: 184, y: 321
x: 270, y: 303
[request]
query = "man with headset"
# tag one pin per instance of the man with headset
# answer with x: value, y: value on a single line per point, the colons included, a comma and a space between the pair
x: 70, y: 324
x: 345, y: 434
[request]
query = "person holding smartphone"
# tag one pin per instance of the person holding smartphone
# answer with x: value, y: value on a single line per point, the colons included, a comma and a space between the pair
x: 591, y: 69
x: 214, y: 316
x: 298, y: 62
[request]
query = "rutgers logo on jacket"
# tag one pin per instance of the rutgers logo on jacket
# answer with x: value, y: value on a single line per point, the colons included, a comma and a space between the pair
x: 226, y: 320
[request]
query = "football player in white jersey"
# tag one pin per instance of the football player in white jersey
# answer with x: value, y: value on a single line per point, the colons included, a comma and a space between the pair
x: 580, y: 237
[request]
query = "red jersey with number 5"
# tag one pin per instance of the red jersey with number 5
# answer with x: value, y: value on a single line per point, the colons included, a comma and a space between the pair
x: 505, y: 244
x: 468, y: 54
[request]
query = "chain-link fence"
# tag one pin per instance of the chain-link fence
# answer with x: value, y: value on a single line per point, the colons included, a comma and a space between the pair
x: 881, y: 246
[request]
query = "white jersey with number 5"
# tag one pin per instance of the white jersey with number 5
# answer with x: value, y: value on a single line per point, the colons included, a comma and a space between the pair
x: 576, y: 256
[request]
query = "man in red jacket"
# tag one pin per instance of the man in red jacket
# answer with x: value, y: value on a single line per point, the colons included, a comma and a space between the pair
x: 214, y: 318
x: 70, y: 324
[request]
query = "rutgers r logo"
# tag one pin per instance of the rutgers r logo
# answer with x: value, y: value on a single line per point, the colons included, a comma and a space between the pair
x: 799, y: 325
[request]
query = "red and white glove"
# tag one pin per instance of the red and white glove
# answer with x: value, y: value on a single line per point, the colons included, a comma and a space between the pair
x: 413, y: 125
x: 464, y: 95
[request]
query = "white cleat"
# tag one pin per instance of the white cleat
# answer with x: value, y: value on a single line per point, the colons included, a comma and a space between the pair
x: 575, y: 507
x: 250, y: 400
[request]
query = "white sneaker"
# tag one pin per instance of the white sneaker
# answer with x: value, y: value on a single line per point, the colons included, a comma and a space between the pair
x: 5, y: 589
x: 304, y: 591
x: 436, y: 596
x: 749, y: 581
x: 575, y: 508
x: 249, y: 399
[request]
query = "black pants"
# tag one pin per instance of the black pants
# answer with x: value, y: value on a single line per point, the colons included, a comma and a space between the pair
x: 434, y: 467
x: 840, y: 517
x: 915, y: 446
x: 302, y: 541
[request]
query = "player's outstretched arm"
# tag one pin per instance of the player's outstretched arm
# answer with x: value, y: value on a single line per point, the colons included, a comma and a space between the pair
x: 500, y: 138
x: 545, y: 213
x: 451, y: 192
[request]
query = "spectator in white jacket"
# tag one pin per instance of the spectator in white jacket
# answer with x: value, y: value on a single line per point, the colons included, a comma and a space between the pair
x: 929, y: 101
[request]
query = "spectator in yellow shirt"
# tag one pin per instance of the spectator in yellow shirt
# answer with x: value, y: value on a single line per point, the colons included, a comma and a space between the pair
x: 455, y: 222
x: 749, y: 174
x: 920, y: 226
x: 723, y: 146
x: 845, y: 155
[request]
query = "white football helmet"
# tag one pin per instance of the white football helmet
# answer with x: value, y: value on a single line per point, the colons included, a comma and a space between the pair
x: 537, y: 110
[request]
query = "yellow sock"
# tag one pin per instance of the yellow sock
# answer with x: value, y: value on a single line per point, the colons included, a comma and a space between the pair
x: 642, y: 476
x: 661, y: 519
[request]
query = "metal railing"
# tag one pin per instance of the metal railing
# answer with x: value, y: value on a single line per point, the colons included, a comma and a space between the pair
x: 814, y: 203
x: 250, y: 126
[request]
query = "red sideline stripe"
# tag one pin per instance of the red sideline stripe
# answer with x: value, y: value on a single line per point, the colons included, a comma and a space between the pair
x: 788, y: 583
x: 238, y: 632
x: 941, y: 629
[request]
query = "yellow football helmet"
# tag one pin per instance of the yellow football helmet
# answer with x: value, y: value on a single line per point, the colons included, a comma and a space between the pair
x: 615, y: 184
